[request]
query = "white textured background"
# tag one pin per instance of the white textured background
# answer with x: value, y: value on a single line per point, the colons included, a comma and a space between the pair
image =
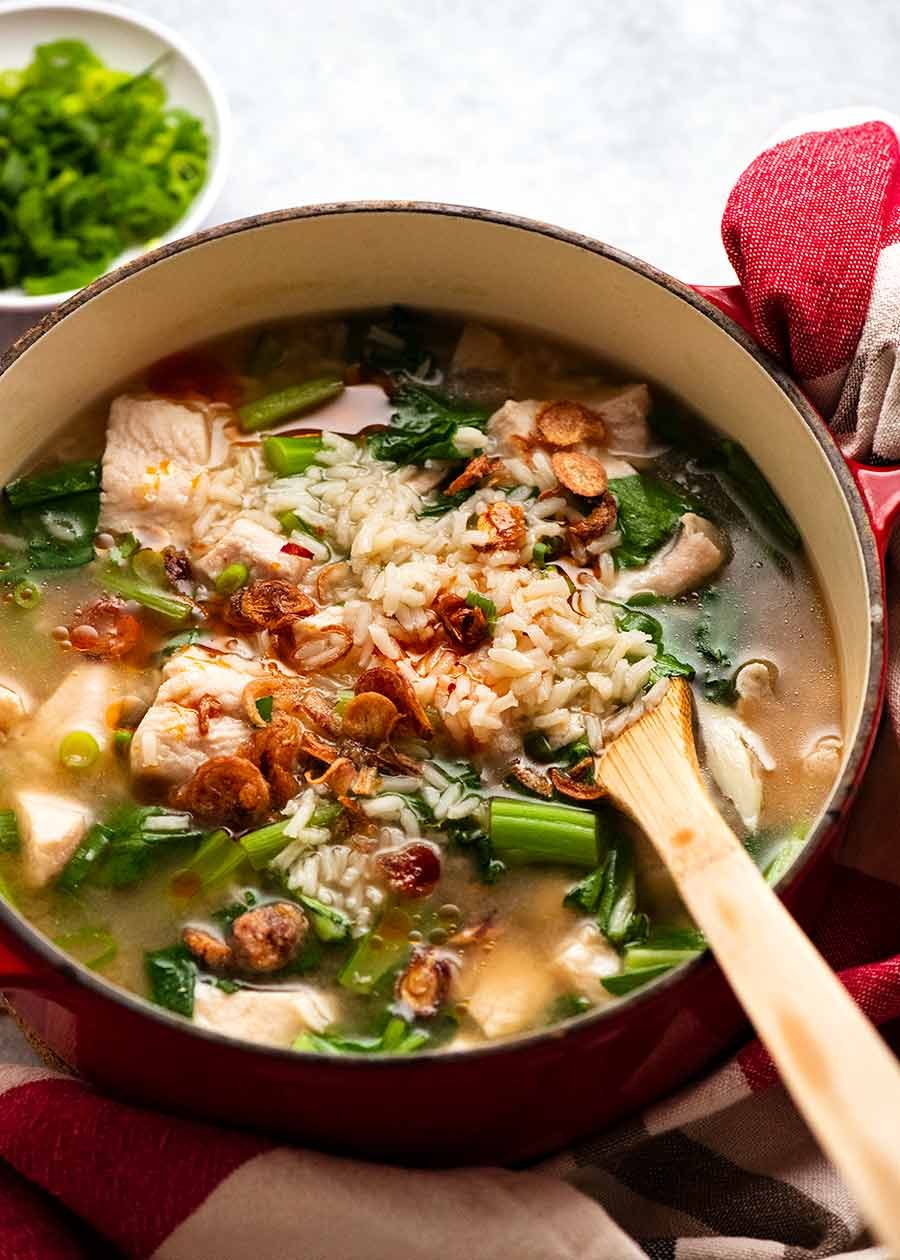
x: 626, y: 120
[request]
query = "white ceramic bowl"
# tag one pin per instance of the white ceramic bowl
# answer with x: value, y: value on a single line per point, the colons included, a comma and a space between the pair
x: 125, y: 42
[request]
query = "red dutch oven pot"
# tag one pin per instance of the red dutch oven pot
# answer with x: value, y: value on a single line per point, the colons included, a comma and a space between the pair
x: 509, y: 1101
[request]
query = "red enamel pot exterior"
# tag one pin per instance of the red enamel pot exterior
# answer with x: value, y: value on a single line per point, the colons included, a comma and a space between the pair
x: 508, y: 1102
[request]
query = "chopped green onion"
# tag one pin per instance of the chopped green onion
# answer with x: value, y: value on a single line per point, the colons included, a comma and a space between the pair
x: 27, y: 594
x: 232, y: 578
x: 487, y: 606
x: 6, y: 893
x: 95, y: 947
x: 343, y: 699
x: 291, y: 523
x: 55, y: 483
x: 295, y: 400
x: 264, y: 844
x: 264, y: 708
x: 85, y: 859
x: 10, y: 840
x: 397, y: 1038
x: 172, y: 607
x: 149, y: 566
x: 287, y: 456
x: 524, y: 832
x: 122, y: 742
x: 78, y: 750
x: 546, y: 550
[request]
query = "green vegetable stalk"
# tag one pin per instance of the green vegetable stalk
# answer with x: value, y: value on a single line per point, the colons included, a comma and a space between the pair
x: 293, y: 401
x: 530, y: 832
x: 287, y: 456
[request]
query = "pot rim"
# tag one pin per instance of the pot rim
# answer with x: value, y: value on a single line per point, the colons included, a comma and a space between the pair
x: 841, y: 794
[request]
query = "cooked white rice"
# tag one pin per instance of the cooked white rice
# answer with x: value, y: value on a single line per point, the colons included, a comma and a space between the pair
x: 555, y: 660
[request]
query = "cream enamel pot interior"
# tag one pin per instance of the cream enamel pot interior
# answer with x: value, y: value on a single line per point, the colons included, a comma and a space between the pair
x: 511, y: 1100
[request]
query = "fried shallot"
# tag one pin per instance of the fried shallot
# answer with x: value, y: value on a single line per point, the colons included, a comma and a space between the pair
x: 268, y: 604
x: 581, y: 474
x: 466, y: 627
x: 389, y: 682
x: 225, y: 791
x: 504, y: 524
x: 104, y: 629
x: 425, y: 983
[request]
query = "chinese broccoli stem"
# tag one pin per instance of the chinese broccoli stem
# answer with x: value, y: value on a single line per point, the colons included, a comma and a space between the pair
x: 524, y: 832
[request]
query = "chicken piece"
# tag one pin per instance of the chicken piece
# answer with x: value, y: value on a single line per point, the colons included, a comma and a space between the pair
x: 823, y: 759
x: 196, y: 672
x: 736, y: 757
x: 170, y: 745
x: 52, y: 827
x: 624, y: 413
x: 504, y: 990
x: 754, y: 681
x: 15, y: 705
x: 259, y: 548
x: 753, y: 684
x: 515, y: 420
x: 585, y: 959
x: 482, y: 363
x: 271, y: 1017
x: 80, y: 703
x: 155, y: 450
x: 684, y: 564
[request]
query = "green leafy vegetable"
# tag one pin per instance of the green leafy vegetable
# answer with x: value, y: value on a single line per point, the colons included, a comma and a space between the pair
x: 444, y: 503
x: 118, y: 580
x: 394, y: 345
x: 662, y: 949
x: 666, y: 665
x: 648, y: 514
x: 264, y: 706
x: 172, y: 975
x: 92, y: 161
x: 120, y: 851
x: 95, y: 947
x: 487, y: 606
x: 424, y: 426
x: 178, y: 641
x: 716, y: 639
x: 757, y: 493
x: 78, y: 477
x: 398, y: 1037
x: 10, y: 841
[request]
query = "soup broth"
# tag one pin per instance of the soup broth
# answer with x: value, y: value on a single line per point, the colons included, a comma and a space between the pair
x: 308, y: 648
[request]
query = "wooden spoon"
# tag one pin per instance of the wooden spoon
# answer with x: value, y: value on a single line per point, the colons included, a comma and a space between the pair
x: 835, y: 1065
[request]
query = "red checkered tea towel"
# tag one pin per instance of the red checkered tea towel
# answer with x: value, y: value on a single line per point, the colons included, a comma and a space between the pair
x: 724, y: 1171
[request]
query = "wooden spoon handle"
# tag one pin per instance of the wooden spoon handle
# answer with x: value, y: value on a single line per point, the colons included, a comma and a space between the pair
x: 840, y: 1073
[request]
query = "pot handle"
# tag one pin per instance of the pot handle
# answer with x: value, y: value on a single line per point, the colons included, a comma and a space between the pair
x: 878, y: 485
